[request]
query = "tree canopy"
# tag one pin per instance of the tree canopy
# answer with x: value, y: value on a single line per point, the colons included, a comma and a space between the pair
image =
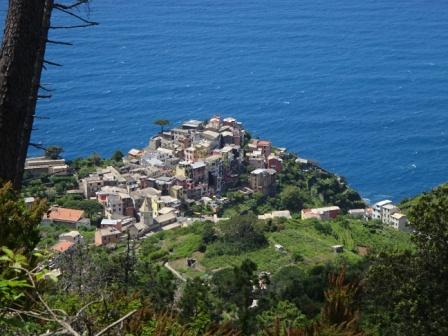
x: 407, y: 293
x: 162, y: 123
x: 19, y: 224
x: 117, y: 156
x: 53, y: 152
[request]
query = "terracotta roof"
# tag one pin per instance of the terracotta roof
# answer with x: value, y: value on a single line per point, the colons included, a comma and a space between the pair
x: 65, y: 214
x: 264, y: 143
x: 62, y: 246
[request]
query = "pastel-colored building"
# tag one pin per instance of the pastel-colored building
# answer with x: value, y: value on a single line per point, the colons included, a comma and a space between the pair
x: 109, y: 235
x: 276, y: 214
x: 265, y: 147
x: 357, y: 213
x: 387, y: 211
x: 274, y: 162
x: 399, y: 221
x: 263, y: 180
x: 72, y: 236
x: 389, y: 214
x: 329, y: 212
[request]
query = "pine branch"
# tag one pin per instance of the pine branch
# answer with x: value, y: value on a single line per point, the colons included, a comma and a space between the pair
x: 92, y: 23
x: 44, y: 88
x: 73, y: 5
x: 38, y: 146
x: 59, y: 42
x: 72, y: 27
x: 52, y: 63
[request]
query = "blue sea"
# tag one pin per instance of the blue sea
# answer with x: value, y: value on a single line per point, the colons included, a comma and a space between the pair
x: 359, y: 86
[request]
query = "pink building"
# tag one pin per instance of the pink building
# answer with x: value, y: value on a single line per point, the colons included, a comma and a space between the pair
x: 275, y: 163
x: 263, y: 145
x: 330, y: 212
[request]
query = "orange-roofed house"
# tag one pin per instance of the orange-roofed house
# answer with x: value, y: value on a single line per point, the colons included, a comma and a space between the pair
x: 62, y: 246
x: 66, y: 216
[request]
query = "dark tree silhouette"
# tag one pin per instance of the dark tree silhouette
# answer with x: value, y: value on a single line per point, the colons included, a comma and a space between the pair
x: 21, y: 62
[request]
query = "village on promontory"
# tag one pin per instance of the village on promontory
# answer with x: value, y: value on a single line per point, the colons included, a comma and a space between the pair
x: 192, y: 173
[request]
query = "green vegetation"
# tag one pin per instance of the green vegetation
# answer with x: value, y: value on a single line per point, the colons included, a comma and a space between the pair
x: 237, y: 235
x: 306, y: 243
x: 53, y: 152
x: 117, y: 156
x: 162, y: 123
x: 299, y: 186
x: 92, y: 209
x: 49, y: 187
x: 309, y: 290
x: 49, y: 234
x: 85, y: 166
x: 242, y: 275
x: 316, y: 187
x: 54, y: 187
x: 18, y: 224
x: 407, y: 292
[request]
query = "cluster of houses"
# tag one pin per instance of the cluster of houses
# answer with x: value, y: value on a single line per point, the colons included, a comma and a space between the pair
x: 384, y: 211
x: 388, y: 214
x: 67, y: 241
x: 189, y: 164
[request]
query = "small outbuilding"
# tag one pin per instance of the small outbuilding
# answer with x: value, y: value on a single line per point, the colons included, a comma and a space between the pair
x: 338, y: 248
x: 279, y: 248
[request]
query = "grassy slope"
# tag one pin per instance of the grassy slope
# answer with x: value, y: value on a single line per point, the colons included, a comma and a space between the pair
x: 298, y: 237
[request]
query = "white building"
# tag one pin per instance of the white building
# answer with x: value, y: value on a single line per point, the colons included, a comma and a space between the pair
x: 357, y: 213
x: 387, y: 211
x: 72, y: 236
x: 389, y: 214
x: 276, y: 214
x: 399, y: 221
x: 377, y: 209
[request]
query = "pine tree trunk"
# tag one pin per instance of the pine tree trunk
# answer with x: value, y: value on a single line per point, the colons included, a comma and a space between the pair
x: 21, y: 61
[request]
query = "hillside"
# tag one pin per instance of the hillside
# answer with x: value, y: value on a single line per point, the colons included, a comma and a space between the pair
x: 306, y: 243
x: 300, y: 184
x: 406, y: 204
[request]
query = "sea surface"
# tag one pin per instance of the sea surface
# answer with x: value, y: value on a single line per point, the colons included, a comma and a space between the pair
x: 359, y: 86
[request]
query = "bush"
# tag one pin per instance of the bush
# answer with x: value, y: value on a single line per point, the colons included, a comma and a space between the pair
x: 323, y: 227
x: 157, y: 255
x: 297, y: 257
x: 208, y: 233
x: 292, y: 199
x: 242, y: 233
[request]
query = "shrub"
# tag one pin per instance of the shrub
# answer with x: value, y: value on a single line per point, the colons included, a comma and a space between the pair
x: 324, y: 228
x: 297, y: 257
